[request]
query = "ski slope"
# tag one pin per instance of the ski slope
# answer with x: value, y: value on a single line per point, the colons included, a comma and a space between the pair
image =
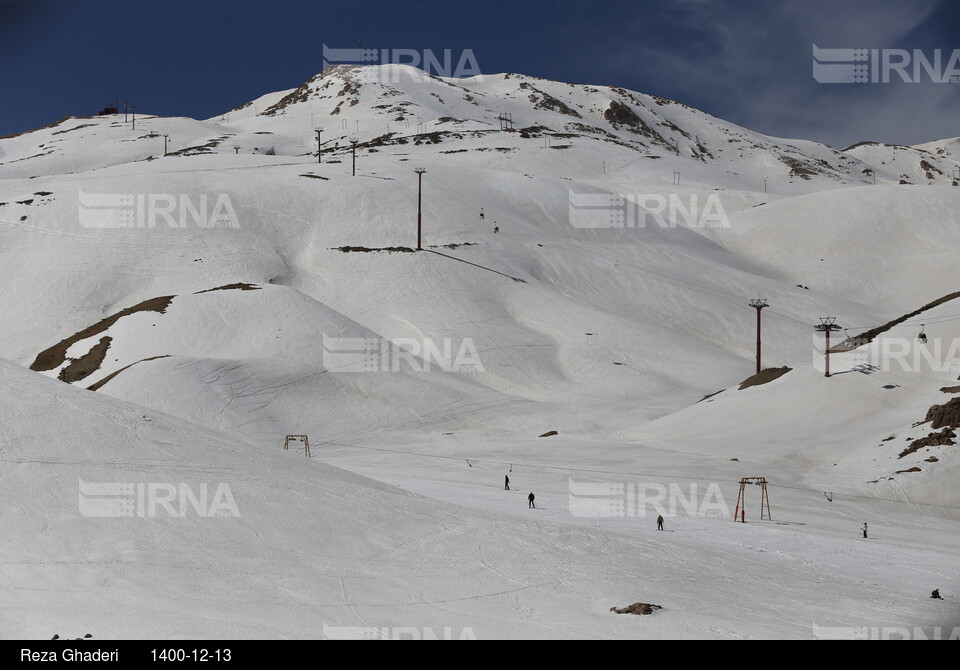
x: 191, y: 350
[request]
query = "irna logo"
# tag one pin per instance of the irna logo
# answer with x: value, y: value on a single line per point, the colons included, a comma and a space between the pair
x: 155, y: 210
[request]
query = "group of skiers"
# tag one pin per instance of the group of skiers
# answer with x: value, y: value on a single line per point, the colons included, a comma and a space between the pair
x: 532, y: 505
x: 660, y: 521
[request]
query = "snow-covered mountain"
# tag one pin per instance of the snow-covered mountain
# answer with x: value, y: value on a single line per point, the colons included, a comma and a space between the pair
x: 197, y: 333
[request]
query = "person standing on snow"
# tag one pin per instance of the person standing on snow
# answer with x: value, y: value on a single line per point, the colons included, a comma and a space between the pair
x: 660, y: 522
x: 530, y: 499
x: 506, y: 482
x: 864, y: 529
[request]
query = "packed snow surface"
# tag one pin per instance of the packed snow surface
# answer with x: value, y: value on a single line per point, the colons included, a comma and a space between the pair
x: 180, y: 349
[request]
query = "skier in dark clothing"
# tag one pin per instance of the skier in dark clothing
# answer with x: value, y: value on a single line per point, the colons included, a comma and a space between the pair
x: 936, y: 595
x: 660, y: 522
x: 864, y: 529
x: 530, y: 499
x: 506, y: 482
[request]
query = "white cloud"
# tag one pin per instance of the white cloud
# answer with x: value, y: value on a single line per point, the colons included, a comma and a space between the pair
x: 751, y: 63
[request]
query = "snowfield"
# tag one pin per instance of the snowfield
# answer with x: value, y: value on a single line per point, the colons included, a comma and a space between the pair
x: 167, y: 320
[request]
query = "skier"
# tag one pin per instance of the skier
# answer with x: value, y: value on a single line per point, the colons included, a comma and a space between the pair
x: 496, y: 229
x: 530, y: 499
x: 864, y: 529
x: 506, y: 482
x: 936, y: 595
x: 660, y: 522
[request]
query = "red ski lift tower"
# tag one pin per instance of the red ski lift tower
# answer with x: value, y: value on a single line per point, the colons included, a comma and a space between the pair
x: 759, y: 304
x: 420, y: 172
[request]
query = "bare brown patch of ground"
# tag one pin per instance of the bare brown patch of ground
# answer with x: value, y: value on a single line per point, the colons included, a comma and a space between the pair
x: 365, y: 250
x: 86, y: 365
x: 945, y: 415
x: 70, y: 130
x: 619, y: 115
x: 301, y: 94
x: 942, y: 439
x: 797, y: 167
x: 708, y: 397
x: 232, y: 287
x: 765, y: 377
x: 639, y: 609
x: 56, y: 355
x: 103, y: 382
x: 199, y: 149
x: 547, y: 101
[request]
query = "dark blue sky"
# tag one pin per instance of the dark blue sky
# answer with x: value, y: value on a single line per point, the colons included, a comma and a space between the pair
x: 748, y: 61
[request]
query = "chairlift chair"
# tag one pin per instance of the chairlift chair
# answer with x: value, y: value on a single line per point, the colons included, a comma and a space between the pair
x: 922, y: 337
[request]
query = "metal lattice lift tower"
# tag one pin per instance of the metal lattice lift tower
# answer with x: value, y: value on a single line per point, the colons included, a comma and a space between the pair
x: 741, y: 513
